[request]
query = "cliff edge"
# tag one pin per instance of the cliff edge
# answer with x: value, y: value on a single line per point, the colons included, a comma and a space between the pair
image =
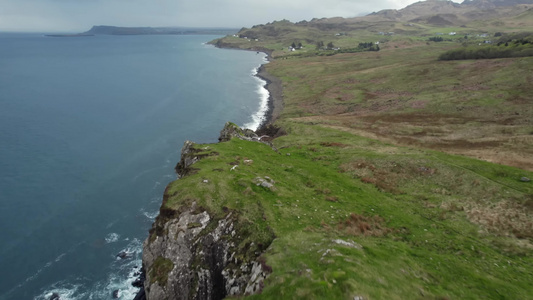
x: 195, y: 253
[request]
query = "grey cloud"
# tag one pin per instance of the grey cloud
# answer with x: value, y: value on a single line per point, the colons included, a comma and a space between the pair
x: 79, y: 15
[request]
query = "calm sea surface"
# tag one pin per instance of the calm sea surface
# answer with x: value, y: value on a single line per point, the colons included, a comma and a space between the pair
x: 90, y: 131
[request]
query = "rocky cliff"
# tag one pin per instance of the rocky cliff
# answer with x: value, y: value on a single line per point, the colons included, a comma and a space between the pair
x: 193, y: 253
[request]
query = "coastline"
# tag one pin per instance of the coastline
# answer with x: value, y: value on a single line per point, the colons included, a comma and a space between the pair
x: 273, y: 85
x: 275, y: 96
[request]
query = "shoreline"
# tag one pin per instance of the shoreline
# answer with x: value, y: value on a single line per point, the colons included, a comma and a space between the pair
x: 275, y: 95
x: 273, y: 85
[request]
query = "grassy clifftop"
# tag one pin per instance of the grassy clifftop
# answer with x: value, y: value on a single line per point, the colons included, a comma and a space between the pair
x: 354, y: 216
x: 385, y: 186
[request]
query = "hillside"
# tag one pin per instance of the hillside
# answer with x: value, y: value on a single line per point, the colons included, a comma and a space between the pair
x: 476, y: 108
x: 391, y: 174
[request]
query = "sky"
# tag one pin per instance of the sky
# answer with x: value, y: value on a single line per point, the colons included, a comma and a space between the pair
x: 81, y: 15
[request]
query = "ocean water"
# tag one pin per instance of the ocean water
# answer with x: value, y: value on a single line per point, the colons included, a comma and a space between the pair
x: 90, y: 131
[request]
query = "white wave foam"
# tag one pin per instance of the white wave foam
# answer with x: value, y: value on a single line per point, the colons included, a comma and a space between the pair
x: 264, y: 95
x: 112, y: 237
x: 124, y: 273
x: 60, y: 257
x: 65, y: 291
x: 150, y: 215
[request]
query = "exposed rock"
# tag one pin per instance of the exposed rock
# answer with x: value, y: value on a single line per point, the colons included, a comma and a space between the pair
x: 194, y: 254
x: 258, y: 275
x: 205, y: 256
x: 141, y: 295
x: 270, y: 132
x: 266, y: 182
x: 137, y: 283
x: 525, y: 179
x: 123, y: 255
x: 350, y: 244
x: 231, y: 130
x: 188, y: 157
x: 116, y: 294
x: 55, y: 296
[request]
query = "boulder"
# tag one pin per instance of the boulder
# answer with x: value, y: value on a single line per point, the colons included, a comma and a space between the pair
x: 123, y: 255
x: 55, y: 296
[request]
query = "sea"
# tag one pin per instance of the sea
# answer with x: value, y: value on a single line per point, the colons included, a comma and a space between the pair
x: 91, y: 129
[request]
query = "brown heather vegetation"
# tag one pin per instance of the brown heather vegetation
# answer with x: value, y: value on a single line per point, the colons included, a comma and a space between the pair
x: 366, y: 226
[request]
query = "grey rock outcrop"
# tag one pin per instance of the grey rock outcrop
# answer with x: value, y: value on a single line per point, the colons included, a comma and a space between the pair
x: 192, y: 253
x: 231, y: 130
x: 205, y: 258
x: 189, y: 155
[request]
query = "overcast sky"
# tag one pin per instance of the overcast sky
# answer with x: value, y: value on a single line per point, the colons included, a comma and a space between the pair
x: 80, y: 15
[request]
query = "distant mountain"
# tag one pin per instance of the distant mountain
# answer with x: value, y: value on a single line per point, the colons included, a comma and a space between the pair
x: 115, y: 30
x: 495, y: 3
x: 443, y: 12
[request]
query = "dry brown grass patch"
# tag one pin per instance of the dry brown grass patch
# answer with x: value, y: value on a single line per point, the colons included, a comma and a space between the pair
x: 333, y: 144
x: 507, y: 218
x: 361, y: 225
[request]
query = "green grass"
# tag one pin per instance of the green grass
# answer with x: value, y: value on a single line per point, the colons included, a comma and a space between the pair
x: 370, y: 159
x: 160, y: 270
x: 432, y: 250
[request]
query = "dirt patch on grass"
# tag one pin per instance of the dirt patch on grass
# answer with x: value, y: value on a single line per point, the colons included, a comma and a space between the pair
x: 508, y: 218
x: 360, y: 225
x: 338, y: 93
x: 387, y: 177
x: 485, y: 64
x: 444, y: 133
x: 464, y: 144
x: 423, y: 119
x: 419, y: 104
x: 333, y: 144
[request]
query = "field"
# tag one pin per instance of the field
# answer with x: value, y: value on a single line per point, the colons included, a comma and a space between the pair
x: 400, y: 176
x: 479, y: 108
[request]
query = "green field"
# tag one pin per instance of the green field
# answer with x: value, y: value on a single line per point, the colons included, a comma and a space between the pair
x: 400, y: 177
x: 417, y: 224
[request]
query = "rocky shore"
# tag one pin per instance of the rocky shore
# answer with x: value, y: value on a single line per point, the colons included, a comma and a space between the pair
x: 273, y: 85
x: 275, y: 98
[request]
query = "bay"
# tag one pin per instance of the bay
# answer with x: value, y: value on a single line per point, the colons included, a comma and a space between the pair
x: 90, y: 131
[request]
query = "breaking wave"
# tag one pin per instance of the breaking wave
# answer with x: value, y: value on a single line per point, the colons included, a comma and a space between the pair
x: 259, y: 117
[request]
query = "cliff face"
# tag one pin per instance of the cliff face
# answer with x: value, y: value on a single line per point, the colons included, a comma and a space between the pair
x: 192, y: 253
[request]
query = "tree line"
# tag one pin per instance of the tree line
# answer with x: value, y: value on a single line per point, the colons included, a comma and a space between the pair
x: 369, y: 46
x: 517, y: 48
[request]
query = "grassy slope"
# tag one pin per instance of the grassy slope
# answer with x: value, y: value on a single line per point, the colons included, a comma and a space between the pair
x: 404, y: 95
x: 432, y: 203
x: 364, y: 162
